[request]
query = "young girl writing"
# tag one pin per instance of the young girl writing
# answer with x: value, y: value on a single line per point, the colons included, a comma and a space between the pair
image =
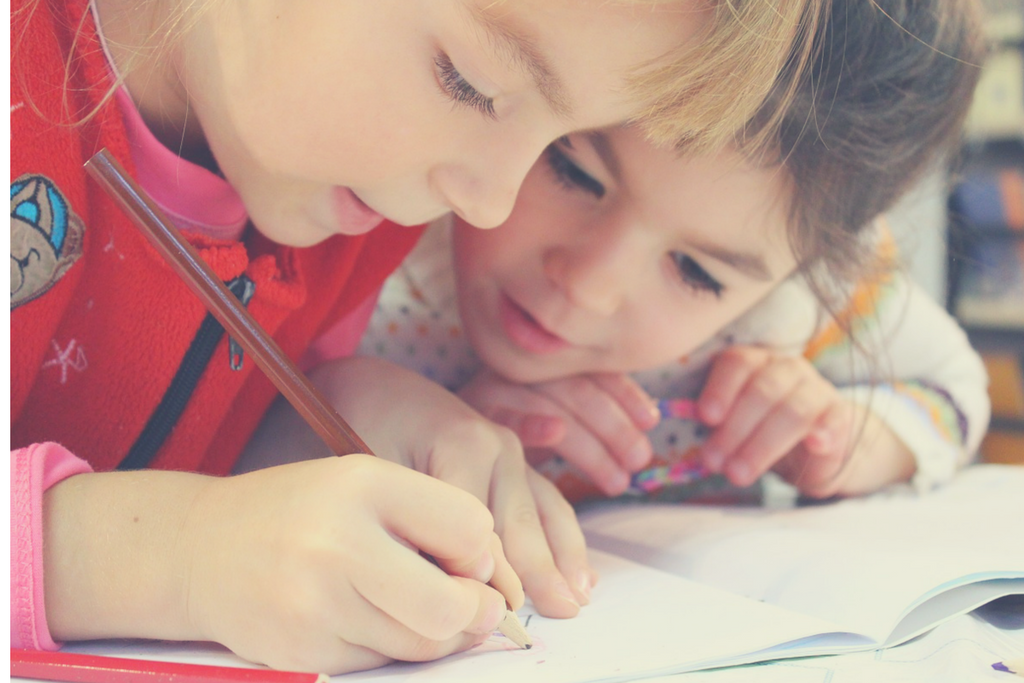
x: 716, y: 275
x: 278, y: 134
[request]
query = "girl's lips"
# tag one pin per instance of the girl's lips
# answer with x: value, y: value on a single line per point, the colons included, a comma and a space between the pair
x: 354, y: 217
x: 524, y: 331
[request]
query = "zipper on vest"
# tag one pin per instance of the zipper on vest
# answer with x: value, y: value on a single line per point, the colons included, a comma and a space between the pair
x: 182, y: 386
x: 235, y: 352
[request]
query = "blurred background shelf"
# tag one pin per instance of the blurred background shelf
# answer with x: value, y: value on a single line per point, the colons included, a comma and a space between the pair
x: 985, y: 229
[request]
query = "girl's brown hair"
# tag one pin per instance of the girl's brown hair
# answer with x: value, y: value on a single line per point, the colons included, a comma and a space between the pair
x: 884, y: 99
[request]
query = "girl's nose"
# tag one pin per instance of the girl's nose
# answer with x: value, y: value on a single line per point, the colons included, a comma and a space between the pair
x: 482, y: 187
x: 595, y: 273
x: 483, y: 203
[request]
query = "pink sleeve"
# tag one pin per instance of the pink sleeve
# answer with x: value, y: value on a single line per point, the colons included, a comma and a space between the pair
x: 33, y: 470
x: 342, y: 339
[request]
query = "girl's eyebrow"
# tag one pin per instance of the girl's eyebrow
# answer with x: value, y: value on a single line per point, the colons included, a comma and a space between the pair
x: 751, y: 265
x: 521, y: 51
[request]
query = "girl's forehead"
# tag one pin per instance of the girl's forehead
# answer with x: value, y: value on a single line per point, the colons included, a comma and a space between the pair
x: 581, y: 53
x: 721, y: 198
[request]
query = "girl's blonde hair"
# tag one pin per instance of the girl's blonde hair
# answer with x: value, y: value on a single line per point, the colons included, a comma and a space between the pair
x: 72, y: 114
x: 699, y: 95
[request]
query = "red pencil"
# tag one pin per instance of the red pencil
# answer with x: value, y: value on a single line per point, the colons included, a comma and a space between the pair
x: 71, y: 667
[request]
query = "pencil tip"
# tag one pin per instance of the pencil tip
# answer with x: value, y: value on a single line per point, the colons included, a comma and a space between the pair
x: 513, y: 629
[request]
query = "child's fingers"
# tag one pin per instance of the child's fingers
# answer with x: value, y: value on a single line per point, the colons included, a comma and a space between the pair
x: 426, y: 629
x: 814, y: 474
x: 339, y: 647
x: 833, y: 430
x: 631, y: 397
x: 497, y: 478
x: 538, y: 456
x: 730, y: 372
x: 505, y: 580
x: 783, y: 427
x: 818, y: 475
x: 524, y: 538
x: 326, y: 540
x: 581, y: 448
x: 448, y: 521
x: 534, y: 430
x: 565, y: 537
x: 447, y: 524
x: 601, y: 413
x: 535, y: 419
x: 755, y: 401
x: 817, y: 465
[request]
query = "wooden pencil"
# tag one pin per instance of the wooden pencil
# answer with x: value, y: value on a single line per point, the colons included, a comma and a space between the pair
x: 224, y: 306
x: 71, y: 667
x: 235, y: 318
x: 513, y: 629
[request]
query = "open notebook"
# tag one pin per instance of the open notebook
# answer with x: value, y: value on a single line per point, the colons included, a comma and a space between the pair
x: 691, y: 587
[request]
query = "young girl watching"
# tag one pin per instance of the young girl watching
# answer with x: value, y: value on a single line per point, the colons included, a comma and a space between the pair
x: 278, y: 135
x: 763, y: 288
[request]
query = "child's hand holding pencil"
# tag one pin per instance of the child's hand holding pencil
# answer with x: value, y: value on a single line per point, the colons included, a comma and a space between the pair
x: 316, y: 565
x: 407, y: 418
x: 310, y: 566
x: 326, y: 572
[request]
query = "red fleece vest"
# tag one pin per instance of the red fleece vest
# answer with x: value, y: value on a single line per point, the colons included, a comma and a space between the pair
x: 100, y: 324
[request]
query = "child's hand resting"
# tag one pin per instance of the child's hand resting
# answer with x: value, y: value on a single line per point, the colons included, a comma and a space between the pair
x: 597, y: 422
x: 408, y: 419
x: 767, y: 412
x: 777, y: 412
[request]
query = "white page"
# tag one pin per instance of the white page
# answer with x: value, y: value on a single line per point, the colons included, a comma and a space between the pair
x: 949, y: 604
x: 642, y: 622
x: 860, y: 563
x: 960, y: 651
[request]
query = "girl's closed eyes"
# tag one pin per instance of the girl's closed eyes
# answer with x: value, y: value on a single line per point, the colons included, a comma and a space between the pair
x: 459, y: 90
x: 568, y: 174
x: 573, y: 178
x: 694, y: 276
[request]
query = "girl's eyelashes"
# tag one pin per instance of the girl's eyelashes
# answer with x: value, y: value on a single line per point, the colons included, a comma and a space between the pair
x: 571, y: 176
x: 574, y: 178
x: 694, y: 276
x: 459, y: 90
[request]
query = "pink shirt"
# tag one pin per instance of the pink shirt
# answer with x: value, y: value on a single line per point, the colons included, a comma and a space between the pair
x: 193, y: 197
